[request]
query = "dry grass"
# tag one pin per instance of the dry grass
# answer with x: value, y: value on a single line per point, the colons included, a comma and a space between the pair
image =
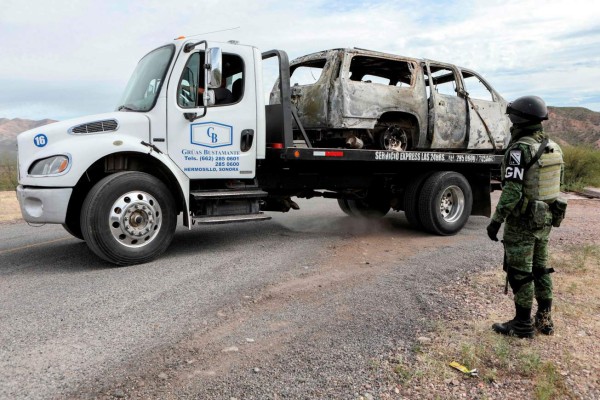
x: 8, y: 171
x: 563, y: 366
x: 9, y: 206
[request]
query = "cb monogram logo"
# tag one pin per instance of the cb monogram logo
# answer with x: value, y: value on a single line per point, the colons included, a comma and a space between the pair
x: 211, y: 134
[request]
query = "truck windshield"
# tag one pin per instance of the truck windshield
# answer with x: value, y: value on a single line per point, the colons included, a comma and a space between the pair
x: 145, y: 83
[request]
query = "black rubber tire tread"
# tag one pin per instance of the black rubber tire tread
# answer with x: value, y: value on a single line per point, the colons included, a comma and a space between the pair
x: 373, y: 208
x: 411, y: 200
x: 344, y: 207
x: 94, y: 217
x: 429, y: 202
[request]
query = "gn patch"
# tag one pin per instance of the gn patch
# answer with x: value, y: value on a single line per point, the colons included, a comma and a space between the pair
x: 514, y: 174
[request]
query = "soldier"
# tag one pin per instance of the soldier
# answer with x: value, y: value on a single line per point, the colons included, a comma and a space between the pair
x: 532, y: 172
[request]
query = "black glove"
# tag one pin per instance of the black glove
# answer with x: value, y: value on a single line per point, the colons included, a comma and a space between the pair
x: 492, y: 230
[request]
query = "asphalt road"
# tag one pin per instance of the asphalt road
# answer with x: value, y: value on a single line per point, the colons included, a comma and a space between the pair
x: 298, y: 306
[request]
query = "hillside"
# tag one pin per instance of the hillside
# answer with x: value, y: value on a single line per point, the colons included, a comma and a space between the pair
x: 574, y: 125
x: 567, y: 125
x: 10, y: 128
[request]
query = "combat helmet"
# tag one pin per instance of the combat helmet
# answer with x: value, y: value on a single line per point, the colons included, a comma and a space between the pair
x: 527, y: 109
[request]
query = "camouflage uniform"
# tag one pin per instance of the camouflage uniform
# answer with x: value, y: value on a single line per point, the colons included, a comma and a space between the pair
x: 526, y: 244
x: 526, y: 249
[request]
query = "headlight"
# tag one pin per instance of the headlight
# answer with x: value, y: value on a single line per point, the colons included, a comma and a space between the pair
x: 50, y: 166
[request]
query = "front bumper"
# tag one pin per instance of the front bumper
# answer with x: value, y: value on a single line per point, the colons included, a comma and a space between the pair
x: 44, y: 205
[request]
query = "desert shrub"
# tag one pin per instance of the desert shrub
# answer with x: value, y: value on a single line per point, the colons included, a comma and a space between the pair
x: 8, y: 171
x: 582, y: 167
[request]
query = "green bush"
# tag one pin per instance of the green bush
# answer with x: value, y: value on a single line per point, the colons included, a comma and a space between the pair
x: 582, y: 167
x: 8, y: 171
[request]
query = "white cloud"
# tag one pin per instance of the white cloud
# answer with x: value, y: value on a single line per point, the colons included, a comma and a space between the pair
x: 547, y: 48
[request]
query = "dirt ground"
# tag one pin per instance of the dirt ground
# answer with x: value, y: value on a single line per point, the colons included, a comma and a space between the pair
x: 566, y: 365
x: 563, y: 366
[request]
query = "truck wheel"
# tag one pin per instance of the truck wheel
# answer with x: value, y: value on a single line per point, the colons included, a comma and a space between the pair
x: 411, y: 200
x: 128, y: 218
x: 345, y: 207
x: 393, y: 138
x: 375, y: 205
x: 445, y: 203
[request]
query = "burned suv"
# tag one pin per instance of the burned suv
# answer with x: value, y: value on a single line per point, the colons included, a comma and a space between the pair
x: 358, y: 98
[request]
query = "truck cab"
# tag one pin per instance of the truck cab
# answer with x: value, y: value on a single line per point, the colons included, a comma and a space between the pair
x: 190, y: 128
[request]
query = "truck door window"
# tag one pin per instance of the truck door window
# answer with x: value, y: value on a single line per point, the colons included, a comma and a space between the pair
x: 191, y: 83
x: 187, y: 92
x: 475, y: 87
x: 442, y: 80
x: 306, y: 73
x: 382, y: 71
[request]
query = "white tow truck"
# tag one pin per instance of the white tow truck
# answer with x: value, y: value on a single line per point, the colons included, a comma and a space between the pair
x: 193, y: 135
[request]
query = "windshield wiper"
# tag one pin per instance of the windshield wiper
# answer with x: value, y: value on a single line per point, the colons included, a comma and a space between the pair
x: 126, y: 108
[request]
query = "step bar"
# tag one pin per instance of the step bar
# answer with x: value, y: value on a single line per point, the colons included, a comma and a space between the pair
x: 228, y: 194
x: 227, y: 219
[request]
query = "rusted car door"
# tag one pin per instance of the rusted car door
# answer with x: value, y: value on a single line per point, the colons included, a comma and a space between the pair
x: 447, y: 108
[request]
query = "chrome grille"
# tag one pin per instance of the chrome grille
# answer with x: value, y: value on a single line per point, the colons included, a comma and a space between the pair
x: 108, y: 125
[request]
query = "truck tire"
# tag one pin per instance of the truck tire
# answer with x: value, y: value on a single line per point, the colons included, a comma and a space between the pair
x: 411, y: 200
x: 374, y: 205
x: 344, y: 207
x: 445, y: 203
x: 128, y: 218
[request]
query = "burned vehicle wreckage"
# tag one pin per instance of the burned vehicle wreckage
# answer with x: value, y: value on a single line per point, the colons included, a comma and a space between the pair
x: 357, y: 98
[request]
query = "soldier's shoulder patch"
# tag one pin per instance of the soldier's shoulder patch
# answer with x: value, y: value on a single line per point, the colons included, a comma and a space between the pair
x: 515, y: 157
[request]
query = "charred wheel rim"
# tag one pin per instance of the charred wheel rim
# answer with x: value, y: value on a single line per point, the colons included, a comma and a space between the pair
x: 135, y: 219
x: 452, y: 204
x: 395, y: 139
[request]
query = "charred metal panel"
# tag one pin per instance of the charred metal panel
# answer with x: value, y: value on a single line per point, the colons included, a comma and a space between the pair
x: 312, y: 100
x: 364, y: 102
x: 450, y: 122
x: 493, y: 115
x: 488, y: 123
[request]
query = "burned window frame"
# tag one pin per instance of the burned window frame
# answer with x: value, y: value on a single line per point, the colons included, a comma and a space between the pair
x: 366, y: 68
x: 309, y: 63
x: 473, y: 74
x: 453, y: 75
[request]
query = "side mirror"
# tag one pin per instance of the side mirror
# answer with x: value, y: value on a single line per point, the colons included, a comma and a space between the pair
x: 215, y: 60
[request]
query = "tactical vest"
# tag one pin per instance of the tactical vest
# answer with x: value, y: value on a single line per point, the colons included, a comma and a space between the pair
x: 542, y: 179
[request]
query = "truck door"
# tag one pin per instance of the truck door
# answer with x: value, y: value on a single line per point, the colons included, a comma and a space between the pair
x: 447, y: 108
x: 310, y: 81
x: 221, y: 144
x: 488, y: 124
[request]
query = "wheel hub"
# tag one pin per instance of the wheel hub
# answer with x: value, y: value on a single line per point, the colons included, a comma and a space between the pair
x: 135, y: 219
x: 452, y: 204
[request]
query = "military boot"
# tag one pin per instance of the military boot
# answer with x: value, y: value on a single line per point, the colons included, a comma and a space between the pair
x: 521, y: 326
x: 543, y: 319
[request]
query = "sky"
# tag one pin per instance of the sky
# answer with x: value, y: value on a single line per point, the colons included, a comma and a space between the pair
x: 61, y: 59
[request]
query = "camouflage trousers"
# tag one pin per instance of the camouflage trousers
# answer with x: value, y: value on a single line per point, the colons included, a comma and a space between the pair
x: 527, y: 256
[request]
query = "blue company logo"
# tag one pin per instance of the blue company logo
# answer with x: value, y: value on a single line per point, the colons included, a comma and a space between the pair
x: 211, y: 134
x: 40, y: 140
